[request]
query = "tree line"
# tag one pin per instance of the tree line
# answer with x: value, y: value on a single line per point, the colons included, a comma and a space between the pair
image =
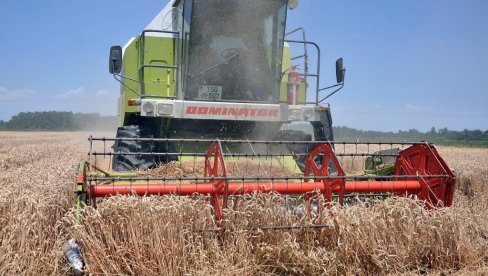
x: 58, y: 121
x: 442, y: 136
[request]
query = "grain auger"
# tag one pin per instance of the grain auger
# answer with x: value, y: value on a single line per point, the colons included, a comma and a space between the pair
x: 334, y: 172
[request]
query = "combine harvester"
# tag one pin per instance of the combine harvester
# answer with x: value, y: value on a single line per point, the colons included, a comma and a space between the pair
x: 209, y: 87
x: 212, y: 82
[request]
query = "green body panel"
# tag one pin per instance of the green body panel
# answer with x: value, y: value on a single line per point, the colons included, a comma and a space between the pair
x: 130, y: 69
x: 285, y: 65
x: 157, y: 81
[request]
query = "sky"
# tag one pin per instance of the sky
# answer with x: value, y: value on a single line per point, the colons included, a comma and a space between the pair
x: 409, y: 64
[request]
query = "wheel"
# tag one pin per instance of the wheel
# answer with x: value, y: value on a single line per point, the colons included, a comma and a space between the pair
x: 122, y: 162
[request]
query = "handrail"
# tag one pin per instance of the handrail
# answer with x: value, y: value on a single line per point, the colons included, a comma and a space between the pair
x: 317, y: 74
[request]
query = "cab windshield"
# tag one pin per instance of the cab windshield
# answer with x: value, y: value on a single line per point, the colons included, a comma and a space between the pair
x: 235, y: 49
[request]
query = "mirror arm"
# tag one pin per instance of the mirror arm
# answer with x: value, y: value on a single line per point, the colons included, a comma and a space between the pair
x: 329, y: 87
x: 335, y: 91
x: 135, y: 92
x: 124, y: 77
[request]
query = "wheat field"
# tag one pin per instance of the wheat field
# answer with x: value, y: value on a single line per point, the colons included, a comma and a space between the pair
x: 162, y: 235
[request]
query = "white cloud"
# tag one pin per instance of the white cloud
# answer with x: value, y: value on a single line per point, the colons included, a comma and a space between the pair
x: 101, y: 101
x: 74, y: 93
x: 102, y: 93
x: 80, y: 92
x: 19, y: 94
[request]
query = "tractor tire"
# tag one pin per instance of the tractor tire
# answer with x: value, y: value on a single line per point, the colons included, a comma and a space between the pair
x: 166, y: 147
x: 121, y: 162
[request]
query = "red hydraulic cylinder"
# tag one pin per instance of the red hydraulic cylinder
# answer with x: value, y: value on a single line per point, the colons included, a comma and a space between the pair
x: 186, y: 189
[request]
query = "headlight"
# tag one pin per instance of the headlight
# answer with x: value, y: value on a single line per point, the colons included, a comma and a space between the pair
x: 295, y: 114
x: 148, y: 107
x: 165, y: 109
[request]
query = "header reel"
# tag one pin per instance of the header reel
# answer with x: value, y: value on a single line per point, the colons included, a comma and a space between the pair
x: 224, y: 169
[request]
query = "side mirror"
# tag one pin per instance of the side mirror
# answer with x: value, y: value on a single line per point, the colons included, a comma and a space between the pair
x: 115, y: 60
x: 340, y: 71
